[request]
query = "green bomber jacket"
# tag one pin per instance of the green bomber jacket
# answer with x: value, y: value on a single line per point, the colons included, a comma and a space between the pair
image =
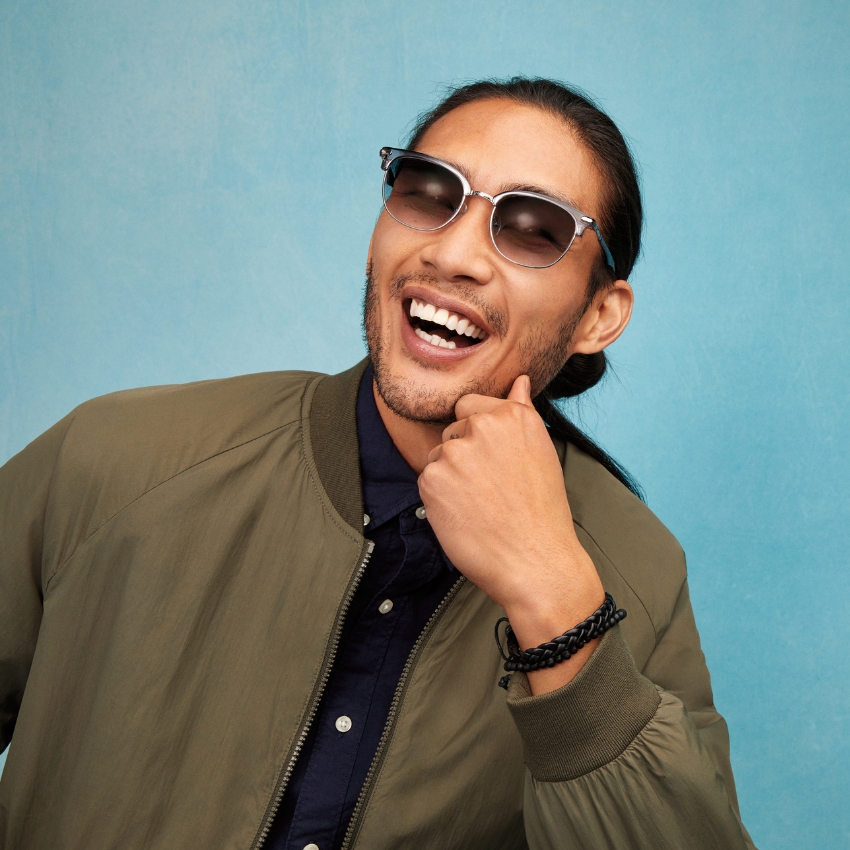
x: 175, y: 567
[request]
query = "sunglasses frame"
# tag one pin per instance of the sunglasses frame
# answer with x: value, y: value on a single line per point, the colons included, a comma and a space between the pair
x: 582, y: 221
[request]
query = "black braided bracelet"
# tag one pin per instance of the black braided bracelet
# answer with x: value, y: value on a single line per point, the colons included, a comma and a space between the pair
x: 561, y: 648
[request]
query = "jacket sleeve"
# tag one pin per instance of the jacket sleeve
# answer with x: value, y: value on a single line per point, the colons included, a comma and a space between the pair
x: 24, y: 496
x: 624, y: 759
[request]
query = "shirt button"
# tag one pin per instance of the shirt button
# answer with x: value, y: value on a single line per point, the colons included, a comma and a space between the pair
x: 343, y: 724
x: 312, y: 847
x: 366, y: 521
x: 420, y: 512
x: 386, y: 606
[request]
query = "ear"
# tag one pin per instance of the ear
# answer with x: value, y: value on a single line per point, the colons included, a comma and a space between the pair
x: 605, y: 319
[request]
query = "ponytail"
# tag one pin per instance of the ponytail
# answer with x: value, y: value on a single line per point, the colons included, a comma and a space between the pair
x: 579, y: 374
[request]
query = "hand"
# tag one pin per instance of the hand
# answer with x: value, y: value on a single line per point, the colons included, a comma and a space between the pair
x: 495, y: 497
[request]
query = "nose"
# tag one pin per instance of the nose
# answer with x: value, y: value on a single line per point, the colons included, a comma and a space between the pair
x: 463, y: 251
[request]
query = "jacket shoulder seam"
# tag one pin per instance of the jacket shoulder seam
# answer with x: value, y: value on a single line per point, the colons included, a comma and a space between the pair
x: 157, y: 486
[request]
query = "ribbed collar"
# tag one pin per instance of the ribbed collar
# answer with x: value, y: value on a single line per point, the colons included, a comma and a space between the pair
x: 333, y: 438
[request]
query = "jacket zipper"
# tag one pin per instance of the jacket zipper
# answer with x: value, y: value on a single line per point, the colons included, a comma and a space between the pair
x: 377, y: 762
x: 266, y: 824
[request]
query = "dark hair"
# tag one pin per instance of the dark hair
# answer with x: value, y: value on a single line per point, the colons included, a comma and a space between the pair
x: 620, y: 220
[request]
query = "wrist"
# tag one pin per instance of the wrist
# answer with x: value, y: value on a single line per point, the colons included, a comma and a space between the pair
x: 556, y: 660
x: 542, y: 614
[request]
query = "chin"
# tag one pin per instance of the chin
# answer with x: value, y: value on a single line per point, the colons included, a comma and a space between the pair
x: 415, y: 402
x: 419, y: 400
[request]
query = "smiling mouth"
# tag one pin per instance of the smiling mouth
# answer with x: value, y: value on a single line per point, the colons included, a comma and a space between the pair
x: 441, y: 328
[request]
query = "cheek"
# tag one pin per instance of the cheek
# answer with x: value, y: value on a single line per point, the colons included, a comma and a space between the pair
x: 548, y: 315
x: 567, y: 302
x: 386, y: 241
x: 547, y: 330
x: 394, y: 248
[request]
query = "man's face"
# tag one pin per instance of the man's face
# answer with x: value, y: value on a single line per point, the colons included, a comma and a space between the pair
x: 526, y: 317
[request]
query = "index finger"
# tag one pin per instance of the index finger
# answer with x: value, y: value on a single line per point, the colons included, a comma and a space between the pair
x: 468, y: 405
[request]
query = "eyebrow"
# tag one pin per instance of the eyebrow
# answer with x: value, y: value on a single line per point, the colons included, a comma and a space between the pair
x: 540, y: 190
x: 519, y: 187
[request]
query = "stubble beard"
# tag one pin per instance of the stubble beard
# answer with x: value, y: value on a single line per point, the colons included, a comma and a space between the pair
x: 541, y: 358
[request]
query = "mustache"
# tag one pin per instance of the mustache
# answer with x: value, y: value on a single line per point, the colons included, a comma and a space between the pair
x: 467, y: 293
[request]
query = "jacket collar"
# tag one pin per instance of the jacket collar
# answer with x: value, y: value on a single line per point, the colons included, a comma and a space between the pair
x: 333, y: 436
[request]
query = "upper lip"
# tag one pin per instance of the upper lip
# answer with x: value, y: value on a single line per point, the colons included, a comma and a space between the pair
x: 453, y: 306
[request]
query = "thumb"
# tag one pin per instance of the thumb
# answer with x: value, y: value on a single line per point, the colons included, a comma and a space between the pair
x: 521, y: 391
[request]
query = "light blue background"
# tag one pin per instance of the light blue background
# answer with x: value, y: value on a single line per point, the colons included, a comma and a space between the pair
x: 187, y: 191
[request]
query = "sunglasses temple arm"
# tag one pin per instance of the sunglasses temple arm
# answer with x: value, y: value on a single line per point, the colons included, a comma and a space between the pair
x: 608, y: 258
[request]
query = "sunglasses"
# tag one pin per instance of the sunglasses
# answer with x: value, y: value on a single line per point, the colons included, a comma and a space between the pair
x: 527, y: 228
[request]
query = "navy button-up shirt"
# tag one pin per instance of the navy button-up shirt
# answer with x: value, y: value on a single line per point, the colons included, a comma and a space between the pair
x: 406, y: 579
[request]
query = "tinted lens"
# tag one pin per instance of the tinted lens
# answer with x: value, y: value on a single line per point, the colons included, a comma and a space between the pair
x: 532, y: 231
x: 421, y: 194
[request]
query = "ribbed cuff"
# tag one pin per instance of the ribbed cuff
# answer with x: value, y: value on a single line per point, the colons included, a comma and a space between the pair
x: 589, y: 721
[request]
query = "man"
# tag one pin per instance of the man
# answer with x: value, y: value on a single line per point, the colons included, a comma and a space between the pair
x: 260, y: 612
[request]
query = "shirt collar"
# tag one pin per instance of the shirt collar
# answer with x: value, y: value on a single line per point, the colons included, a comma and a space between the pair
x: 389, y: 484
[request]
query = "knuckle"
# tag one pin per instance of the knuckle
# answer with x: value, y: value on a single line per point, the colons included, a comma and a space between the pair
x: 450, y: 449
x: 425, y: 479
x: 485, y: 422
x: 473, y: 425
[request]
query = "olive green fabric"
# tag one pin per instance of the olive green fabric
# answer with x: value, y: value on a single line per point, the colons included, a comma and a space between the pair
x: 608, y: 706
x: 174, y: 567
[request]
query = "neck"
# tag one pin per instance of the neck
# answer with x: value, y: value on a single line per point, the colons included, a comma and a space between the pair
x: 414, y: 440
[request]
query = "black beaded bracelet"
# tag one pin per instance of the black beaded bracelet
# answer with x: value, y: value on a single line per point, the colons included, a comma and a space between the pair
x: 561, y: 648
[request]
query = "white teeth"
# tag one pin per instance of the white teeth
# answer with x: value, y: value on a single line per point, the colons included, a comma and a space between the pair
x: 441, y: 316
x: 434, y: 340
